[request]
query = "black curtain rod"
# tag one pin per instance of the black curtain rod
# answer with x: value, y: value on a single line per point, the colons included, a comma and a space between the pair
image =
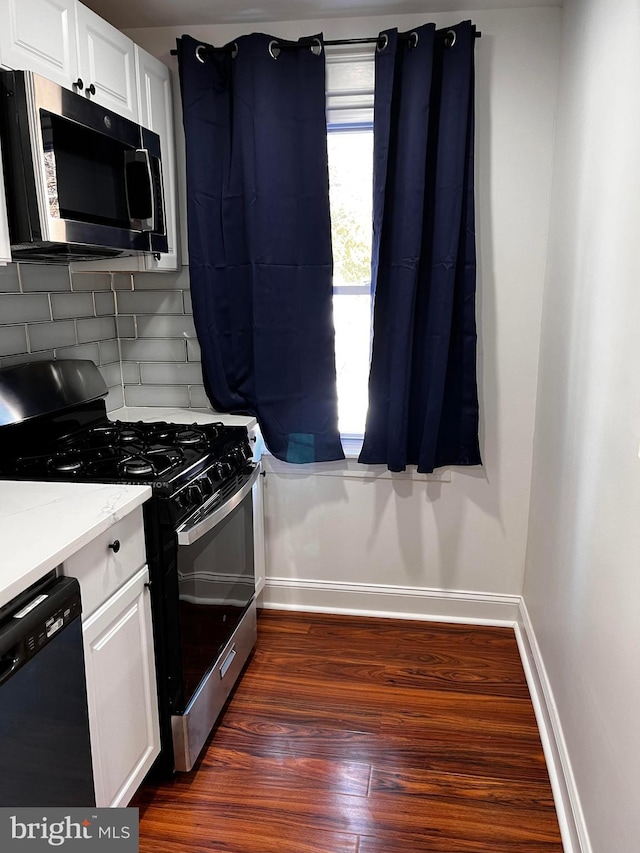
x: 284, y: 45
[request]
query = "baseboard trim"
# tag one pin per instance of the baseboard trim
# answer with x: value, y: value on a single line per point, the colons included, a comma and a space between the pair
x: 573, y: 828
x: 396, y: 602
x: 473, y: 608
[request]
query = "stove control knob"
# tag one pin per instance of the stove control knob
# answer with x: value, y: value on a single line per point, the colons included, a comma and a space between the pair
x: 221, y: 470
x: 206, y: 485
x: 182, y: 499
x: 195, y: 494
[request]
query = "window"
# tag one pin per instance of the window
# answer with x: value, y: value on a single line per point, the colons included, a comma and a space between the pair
x: 350, y: 148
x: 350, y: 181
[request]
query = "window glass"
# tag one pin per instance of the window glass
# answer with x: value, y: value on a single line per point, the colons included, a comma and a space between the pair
x: 350, y: 180
x: 350, y: 85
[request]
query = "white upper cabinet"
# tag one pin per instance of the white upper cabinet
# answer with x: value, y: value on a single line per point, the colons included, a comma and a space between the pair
x: 156, y: 113
x: 65, y: 42
x: 106, y: 64
x: 40, y: 36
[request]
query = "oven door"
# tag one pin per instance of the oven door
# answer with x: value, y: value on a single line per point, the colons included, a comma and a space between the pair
x: 216, y: 583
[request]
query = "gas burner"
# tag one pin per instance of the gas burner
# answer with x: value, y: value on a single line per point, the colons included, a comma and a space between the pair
x: 160, y: 433
x: 65, y: 465
x: 127, y: 435
x: 188, y: 436
x: 137, y: 466
x: 106, y: 431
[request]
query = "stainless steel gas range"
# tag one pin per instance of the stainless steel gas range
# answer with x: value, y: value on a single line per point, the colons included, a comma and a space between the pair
x: 198, y: 528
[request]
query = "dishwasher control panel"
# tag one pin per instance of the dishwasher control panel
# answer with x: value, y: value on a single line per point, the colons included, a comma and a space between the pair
x: 33, y: 619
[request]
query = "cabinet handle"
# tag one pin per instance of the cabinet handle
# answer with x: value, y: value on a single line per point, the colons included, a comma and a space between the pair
x: 115, y: 546
x: 79, y: 84
x: 90, y: 90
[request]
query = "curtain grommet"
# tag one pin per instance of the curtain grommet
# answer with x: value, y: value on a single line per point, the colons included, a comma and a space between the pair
x: 201, y: 53
x: 413, y: 40
x: 381, y: 44
x: 316, y: 47
x: 450, y: 38
x: 234, y: 50
x: 274, y: 49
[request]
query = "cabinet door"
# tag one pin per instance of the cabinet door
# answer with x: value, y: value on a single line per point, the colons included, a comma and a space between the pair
x: 121, y: 689
x: 40, y: 36
x: 5, y: 245
x: 106, y: 61
x: 156, y: 113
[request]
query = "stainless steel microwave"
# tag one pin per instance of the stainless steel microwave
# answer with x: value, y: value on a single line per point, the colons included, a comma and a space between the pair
x: 82, y: 182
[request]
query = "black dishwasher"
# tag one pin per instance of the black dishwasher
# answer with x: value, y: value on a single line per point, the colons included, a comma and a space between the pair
x: 45, y: 753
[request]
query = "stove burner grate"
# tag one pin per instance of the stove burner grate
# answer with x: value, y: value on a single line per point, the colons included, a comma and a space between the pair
x: 137, y: 467
x: 188, y: 436
x: 65, y: 464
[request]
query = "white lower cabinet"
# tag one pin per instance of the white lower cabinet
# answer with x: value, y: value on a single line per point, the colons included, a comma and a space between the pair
x: 121, y: 689
x: 119, y: 658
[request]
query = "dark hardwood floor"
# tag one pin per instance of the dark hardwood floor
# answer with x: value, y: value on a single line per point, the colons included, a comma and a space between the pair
x: 358, y: 735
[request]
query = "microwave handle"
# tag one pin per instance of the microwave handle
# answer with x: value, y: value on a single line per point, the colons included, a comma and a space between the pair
x: 141, y: 198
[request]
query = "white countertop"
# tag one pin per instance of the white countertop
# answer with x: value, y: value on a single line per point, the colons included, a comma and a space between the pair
x: 42, y: 524
x: 180, y: 416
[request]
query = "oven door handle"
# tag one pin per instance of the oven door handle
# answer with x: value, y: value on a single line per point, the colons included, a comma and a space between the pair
x: 188, y: 533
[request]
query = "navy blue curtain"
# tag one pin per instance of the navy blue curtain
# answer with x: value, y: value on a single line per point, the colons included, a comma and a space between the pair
x: 423, y: 401
x: 260, y: 240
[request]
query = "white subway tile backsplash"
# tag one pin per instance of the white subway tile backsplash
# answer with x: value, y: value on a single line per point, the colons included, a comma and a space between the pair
x: 96, y: 329
x: 150, y: 302
x: 24, y: 308
x: 9, y: 281
x: 130, y: 372
x: 61, y: 333
x: 171, y: 374
x: 90, y: 281
x: 44, y: 277
x: 126, y: 326
x: 111, y: 374
x: 13, y: 340
x: 122, y: 281
x: 178, y: 280
x: 165, y: 326
x: 26, y: 357
x: 86, y: 351
x: 105, y: 304
x: 109, y: 351
x: 115, y: 398
x: 198, y: 398
x: 153, y: 350
x: 66, y: 305
x: 193, y: 350
x: 48, y: 312
x: 157, y: 395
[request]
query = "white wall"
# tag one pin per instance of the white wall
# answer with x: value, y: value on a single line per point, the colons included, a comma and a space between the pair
x: 470, y: 533
x: 582, y: 586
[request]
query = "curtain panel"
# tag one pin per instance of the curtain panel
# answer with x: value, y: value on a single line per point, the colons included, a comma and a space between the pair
x: 423, y: 402
x: 259, y: 238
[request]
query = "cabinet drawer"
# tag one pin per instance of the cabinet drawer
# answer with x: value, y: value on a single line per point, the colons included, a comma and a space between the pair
x: 102, y: 570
